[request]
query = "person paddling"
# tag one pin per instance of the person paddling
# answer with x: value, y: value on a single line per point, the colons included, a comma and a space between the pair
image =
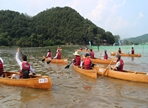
x: 25, y: 67
x: 77, y: 59
x: 133, y: 51
x: 91, y: 54
x: 1, y: 67
x: 86, y: 63
x: 58, y: 48
x: 86, y: 48
x: 119, y: 51
x: 119, y: 65
x: 105, y: 55
x: 58, y: 55
x: 49, y: 54
x: 80, y: 48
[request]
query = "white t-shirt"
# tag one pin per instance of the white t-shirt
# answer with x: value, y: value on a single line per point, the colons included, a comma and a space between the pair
x: 118, y: 64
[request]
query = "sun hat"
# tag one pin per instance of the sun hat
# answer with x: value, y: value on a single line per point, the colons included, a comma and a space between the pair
x: 76, y: 53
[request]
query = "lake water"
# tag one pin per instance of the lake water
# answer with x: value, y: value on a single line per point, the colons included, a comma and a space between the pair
x: 71, y: 89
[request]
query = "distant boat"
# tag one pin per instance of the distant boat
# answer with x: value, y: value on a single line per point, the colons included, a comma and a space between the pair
x: 58, y: 61
x: 126, y: 54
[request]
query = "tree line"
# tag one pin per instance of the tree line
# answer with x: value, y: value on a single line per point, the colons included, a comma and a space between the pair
x: 55, y: 26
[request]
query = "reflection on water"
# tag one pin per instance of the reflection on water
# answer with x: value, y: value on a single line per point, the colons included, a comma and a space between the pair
x: 132, y: 58
x: 71, y: 89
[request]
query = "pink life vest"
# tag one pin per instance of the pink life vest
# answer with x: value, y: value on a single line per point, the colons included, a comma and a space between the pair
x: 87, y: 63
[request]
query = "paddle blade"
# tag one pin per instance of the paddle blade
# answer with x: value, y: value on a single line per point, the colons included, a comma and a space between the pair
x: 43, y: 60
x: 48, y: 62
x: 92, y: 65
x: 67, y: 66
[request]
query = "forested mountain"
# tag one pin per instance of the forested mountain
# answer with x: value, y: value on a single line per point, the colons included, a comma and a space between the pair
x: 138, y: 40
x: 55, y: 26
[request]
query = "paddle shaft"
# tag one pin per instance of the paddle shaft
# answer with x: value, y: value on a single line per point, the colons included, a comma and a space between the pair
x: 69, y: 64
x: 108, y: 66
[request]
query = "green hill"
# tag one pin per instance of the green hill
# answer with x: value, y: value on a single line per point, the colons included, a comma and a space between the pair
x: 55, y: 26
x: 139, y: 39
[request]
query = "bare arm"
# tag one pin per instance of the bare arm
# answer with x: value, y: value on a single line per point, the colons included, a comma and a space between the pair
x: 18, y: 60
x: 56, y: 55
x: 1, y: 60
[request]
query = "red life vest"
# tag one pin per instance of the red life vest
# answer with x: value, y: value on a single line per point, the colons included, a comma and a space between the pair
x: 119, y: 51
x: 120, y: 68
x: 87, y: 63
x: 91, y: 54
x: 49, y: 54
x: 59, y: 55
x: 105, y: 56
x: 1, y: 68
x: 77, y: 60
x: 24, y: 73
x: 133, y: 51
